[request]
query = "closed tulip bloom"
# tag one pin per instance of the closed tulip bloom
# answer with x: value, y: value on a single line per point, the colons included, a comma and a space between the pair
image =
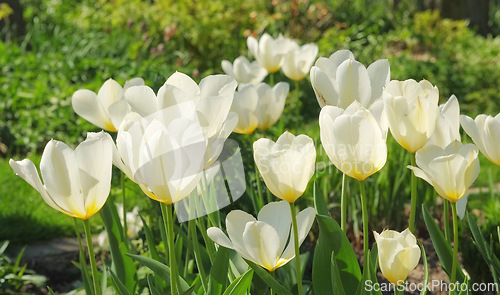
x: 485, y: 132
x: 267, y: 240
x: 164, y: 151
x: 412, y: 111
x: 271, y: 103
x: 286, y: 165
x: 76, y: 182
x: 269, y: 52
x: 245, y: 103
x: 244, y: 71
x: 212, y: 99
x: 298, y: 61
x: 353, y: 139
x: 398, y: 254
x: 451, y: 171
x: 107, y: 108
x: 340, y: 79
x: 448, y: 124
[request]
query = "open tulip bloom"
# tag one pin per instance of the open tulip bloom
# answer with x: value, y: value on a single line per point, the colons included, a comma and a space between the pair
x: 267, y: 240
x: 412, y: 111
x: 108, y: 107
x: 353, y: 139
x: 244, y: 71
x: 212, y: 99
x: 340, y: 79
x: 164, y: 151
x: 76, y: 182
x: 398, y: 254
x: 286, y: 165
x: 269, y: 52
x: 298, y: 61
x: 451, y: 171
x: 485, y: 132
x: 258, y: 106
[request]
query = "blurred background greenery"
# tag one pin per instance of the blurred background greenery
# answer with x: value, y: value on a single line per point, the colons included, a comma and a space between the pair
x: 51, y: 48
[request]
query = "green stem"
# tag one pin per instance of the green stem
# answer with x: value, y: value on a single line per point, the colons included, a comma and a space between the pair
x: 260, y: 199
x: 398, y: 291
x: 273, y: 275
x: 271, y: 79
x: 343, y: 206
x: 413, y: 207
x: 197, y: 254
x: 364, y: 209
x: 297, y: 251
x: 78, y: 235
x: 90, y: 247
x: 455, y: 245
x: 166, y: 211
x: 125, y: 228
x: 446, y: 214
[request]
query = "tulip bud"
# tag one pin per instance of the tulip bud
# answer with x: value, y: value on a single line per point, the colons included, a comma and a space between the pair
x: 286, y: 165
x: 398, y: 254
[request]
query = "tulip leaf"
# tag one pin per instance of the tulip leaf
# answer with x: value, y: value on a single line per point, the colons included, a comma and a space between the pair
x: 337, y: 287
x: 153, y: 289
x: 218, y: 272
x: 374, y: 257
x: 52, y: 292
x: 333, y: 239
x: 240, y: 285
x: 118, y: 284
x: 123, y: 266
x: 482, y: 245
x: 159, y: 269
x: 152, y: 249
x: 82, y: 265
x: 268, y: 279
x: 443, y: 249
x: 319, y: 202
x: 426, y: 269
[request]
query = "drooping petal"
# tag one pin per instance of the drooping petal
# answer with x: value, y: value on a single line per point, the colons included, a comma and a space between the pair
x: 216, y: 235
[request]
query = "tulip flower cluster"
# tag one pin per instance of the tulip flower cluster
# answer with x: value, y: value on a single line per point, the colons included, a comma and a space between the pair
x: 169, y: 142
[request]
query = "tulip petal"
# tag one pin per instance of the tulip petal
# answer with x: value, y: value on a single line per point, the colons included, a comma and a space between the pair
x: 142, y: 99
x: 94, y: 157
x: 354, y: 84
x: 184, y: 82
x: 324, y: 87
x: 404, y: 262
x: 277, y: 215
x: 236, y: 222
x: 60, y: 172
x: 462, y: 206
x: 380, y: 74
x: 262, y: 243
x: 27, y: 171
x: 218, y: 236
x: 86, y: 105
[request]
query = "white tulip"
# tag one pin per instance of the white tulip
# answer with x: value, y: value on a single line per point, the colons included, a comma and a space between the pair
x: 451, y: 171
x: 298, y: 61
x: 340, y: 79
x: 269, y: 52
x: 107, y: 108
x: 212, y: 98
x: 286, y: 165
x: 353, y: 140
x: 76, y: 182
x: 244, y: 71
x: 164, y: 151
x: 267, y: 240
x: 485, y: 132
x: 271, y: 103
x: 398, y: 254
x: 412, y: 111
x: 245, y: 103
